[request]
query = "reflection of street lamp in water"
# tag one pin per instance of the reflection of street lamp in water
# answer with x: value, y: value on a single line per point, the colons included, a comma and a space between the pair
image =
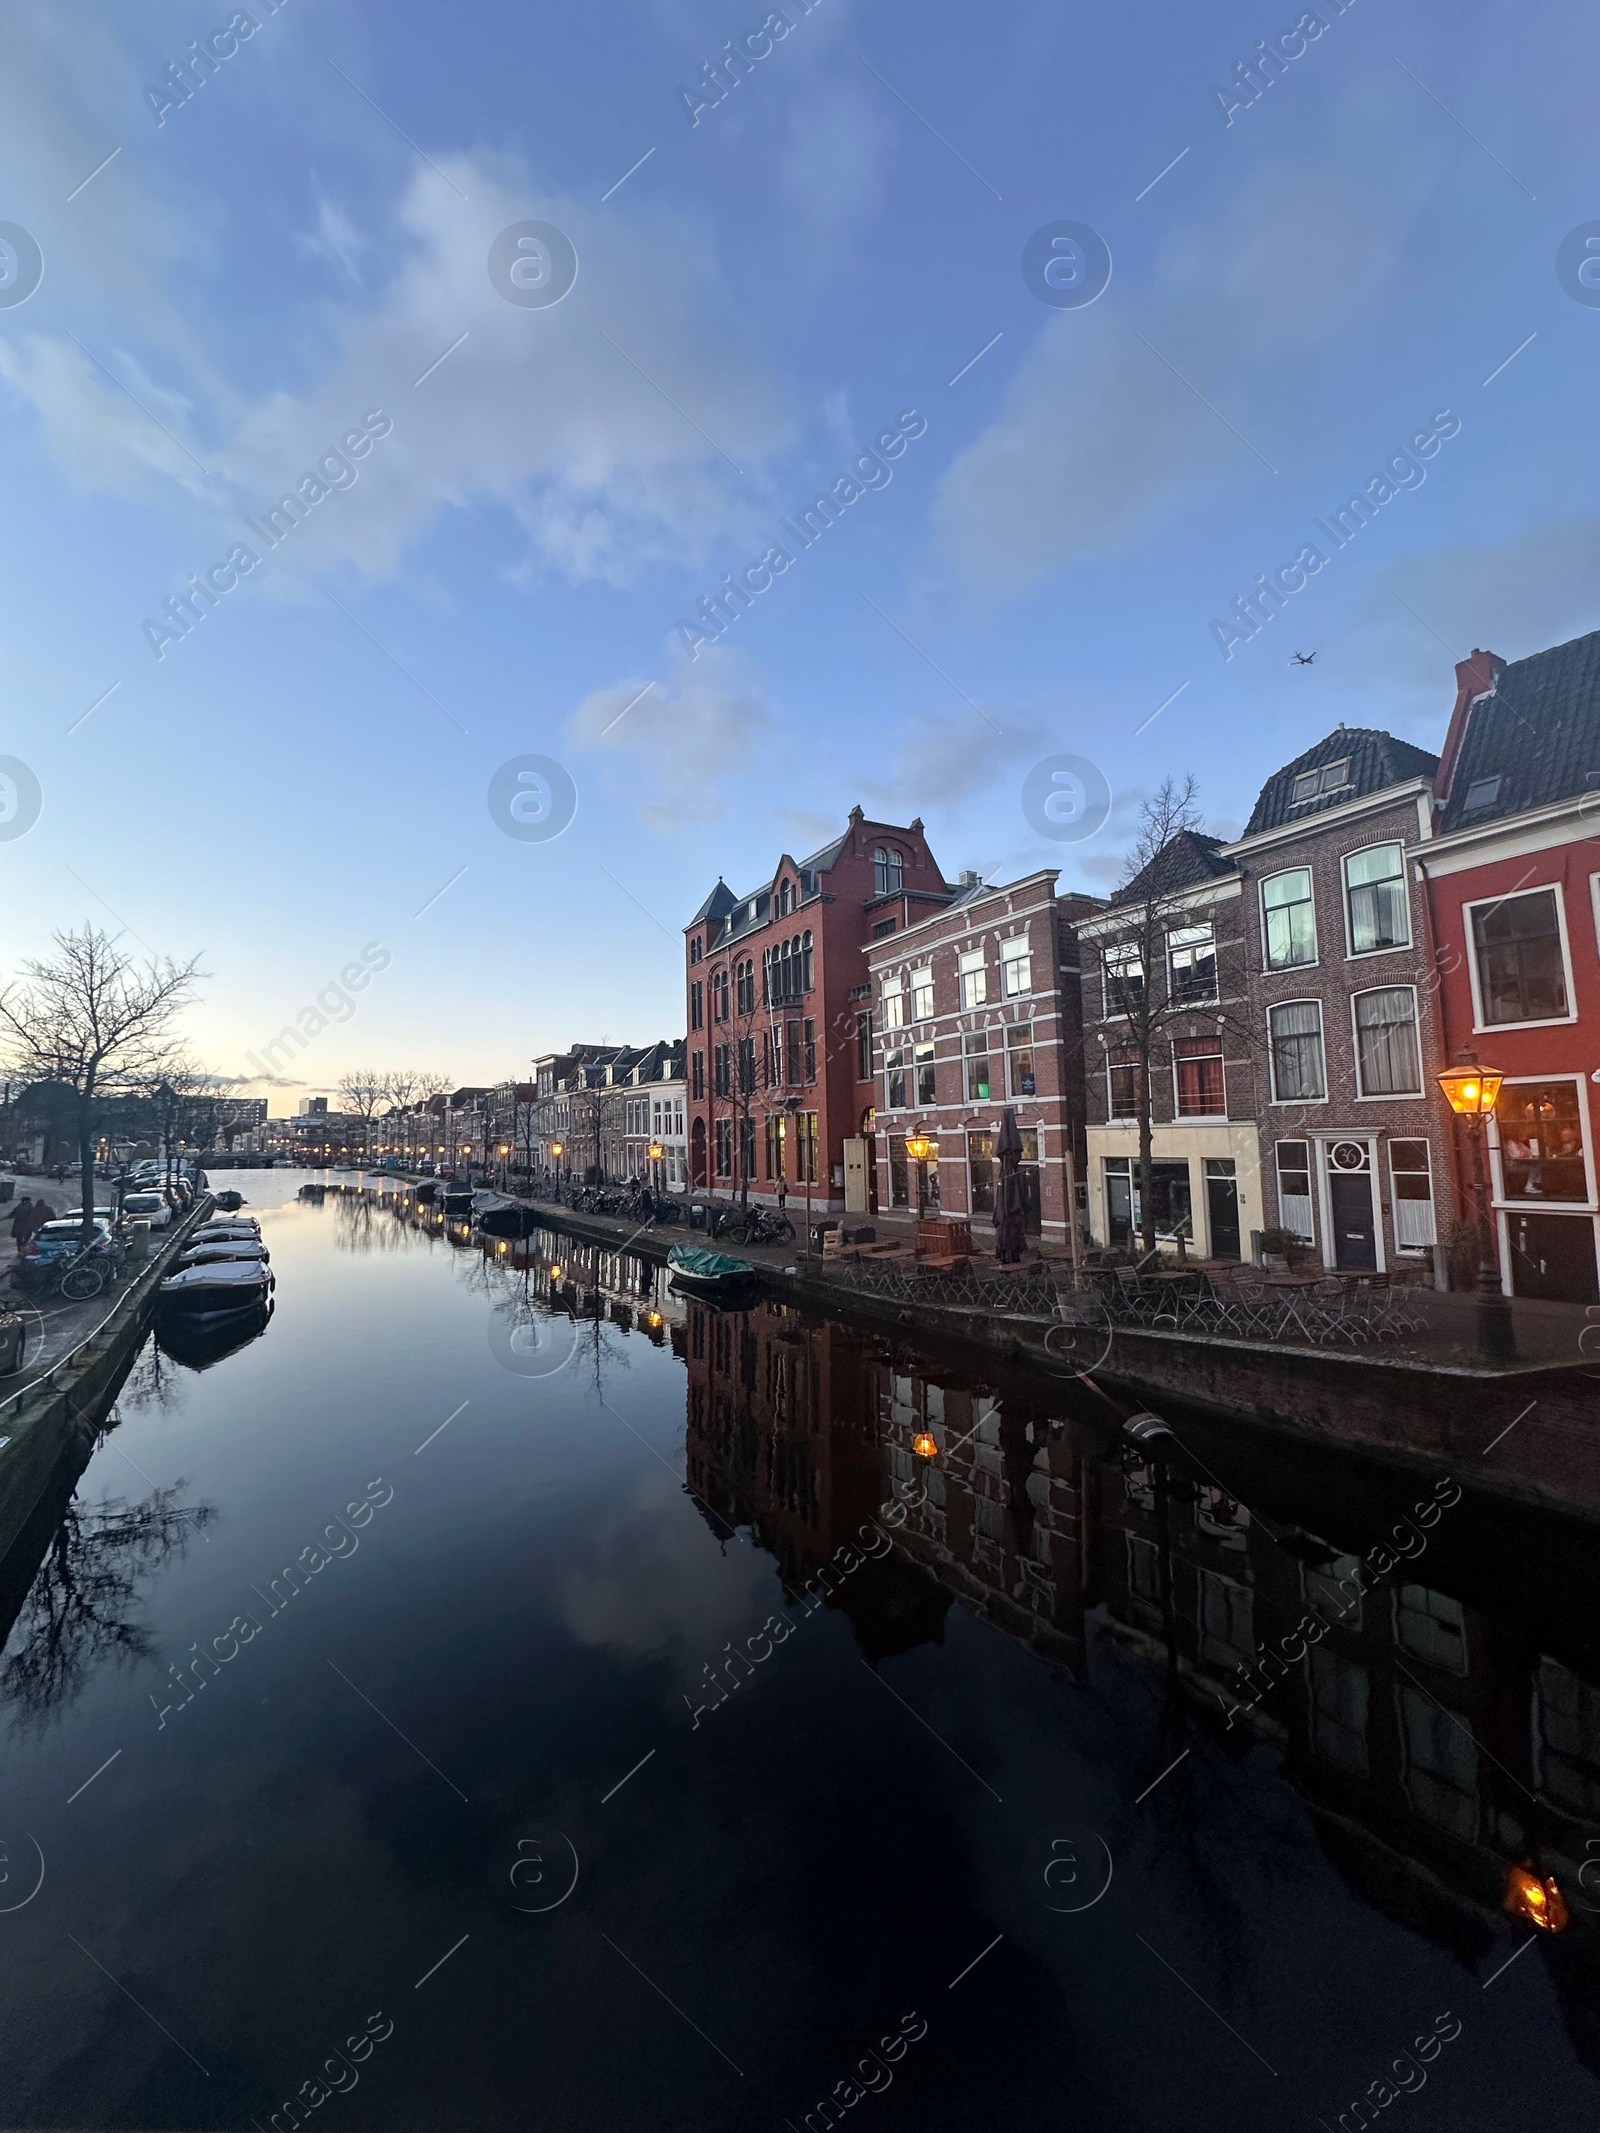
x: 1473, y: 1091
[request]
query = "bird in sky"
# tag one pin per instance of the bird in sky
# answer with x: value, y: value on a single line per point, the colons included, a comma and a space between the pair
x: 1303, y: 659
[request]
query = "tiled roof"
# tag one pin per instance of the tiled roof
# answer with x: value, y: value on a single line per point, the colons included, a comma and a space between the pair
x: 717, y: 905
x: 1376, y: 759
x: 1183, y: 862
x: 1533, y: 740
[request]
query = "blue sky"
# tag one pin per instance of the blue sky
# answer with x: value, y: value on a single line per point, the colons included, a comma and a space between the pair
x: 287, y: 253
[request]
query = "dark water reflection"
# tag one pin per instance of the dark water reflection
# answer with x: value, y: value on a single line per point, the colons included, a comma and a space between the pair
x: 599, y: 1714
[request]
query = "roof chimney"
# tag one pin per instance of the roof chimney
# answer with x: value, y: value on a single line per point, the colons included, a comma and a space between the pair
x: 1475, y: 677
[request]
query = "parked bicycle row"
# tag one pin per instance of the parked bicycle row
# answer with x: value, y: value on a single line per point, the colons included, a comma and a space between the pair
x: 717, y: 1218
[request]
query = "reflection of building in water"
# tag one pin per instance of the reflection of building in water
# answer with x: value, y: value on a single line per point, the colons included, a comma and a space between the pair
x: 1435, y: 1745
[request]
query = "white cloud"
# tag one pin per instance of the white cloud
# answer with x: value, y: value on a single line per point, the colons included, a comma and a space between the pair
x: 335, y: 239
x: 948, y: 757
x: 589, y: 420
x: 683, y: 741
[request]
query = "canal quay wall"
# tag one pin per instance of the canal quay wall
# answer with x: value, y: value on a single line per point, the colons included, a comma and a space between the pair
x: 54, y: 1417
x: 1525, y: 1432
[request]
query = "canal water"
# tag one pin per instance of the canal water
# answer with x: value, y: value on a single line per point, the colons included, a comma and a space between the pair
x: 502, y: 1693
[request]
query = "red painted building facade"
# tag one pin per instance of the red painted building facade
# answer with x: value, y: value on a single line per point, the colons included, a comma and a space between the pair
x: 1513, y: 878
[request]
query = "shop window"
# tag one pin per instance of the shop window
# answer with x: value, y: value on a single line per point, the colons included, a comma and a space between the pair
x: 980, y: 1166
x: 1541, y: 1141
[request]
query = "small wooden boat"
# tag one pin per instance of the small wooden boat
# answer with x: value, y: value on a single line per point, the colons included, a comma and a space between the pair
x: 712, y: 1275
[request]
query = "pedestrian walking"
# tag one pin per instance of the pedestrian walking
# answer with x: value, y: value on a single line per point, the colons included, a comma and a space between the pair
x: 21, y: 1221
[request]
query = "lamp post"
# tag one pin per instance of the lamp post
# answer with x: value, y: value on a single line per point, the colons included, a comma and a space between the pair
x: 557, y: 1150
x: 655, y: 1152
x: 920, y: 1147
x: 1472, y: 1091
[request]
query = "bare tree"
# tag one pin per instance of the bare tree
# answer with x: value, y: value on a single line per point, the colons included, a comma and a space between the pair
x: 1139, y: 984
x: 361, y: 1091
x: 91, y: 1021
x: 426, y: 1087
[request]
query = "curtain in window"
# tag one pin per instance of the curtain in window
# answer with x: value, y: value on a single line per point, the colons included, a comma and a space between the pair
x: 1386, y: 1042
x: 1297, y: 1070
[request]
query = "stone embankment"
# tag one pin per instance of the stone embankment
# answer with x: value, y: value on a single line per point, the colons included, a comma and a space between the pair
x: 52, y: 1415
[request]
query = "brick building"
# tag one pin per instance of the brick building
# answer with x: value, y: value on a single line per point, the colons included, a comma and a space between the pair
x: 1175, y: 936
x: 1355, y: 1132
x: 1513, y: 882
x: 977, y: 1006
x: 780, y: 1038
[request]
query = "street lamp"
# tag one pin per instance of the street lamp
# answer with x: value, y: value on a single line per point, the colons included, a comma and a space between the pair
x: 654, y: 1153
x: 1472, y: 1091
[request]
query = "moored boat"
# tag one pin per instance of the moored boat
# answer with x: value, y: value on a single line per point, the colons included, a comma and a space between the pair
x: 218, y: 1290
x: 712, y: 1275
x: 218, y: 1251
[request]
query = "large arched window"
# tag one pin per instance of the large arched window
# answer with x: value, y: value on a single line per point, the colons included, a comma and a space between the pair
x: 805, y: 961
x: 888, y: 868
x: 745, y: 977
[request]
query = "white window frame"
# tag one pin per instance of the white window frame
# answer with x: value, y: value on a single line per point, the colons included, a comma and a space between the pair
x: 1016, y: 948
x: 1305, y: 1141
x: 1394, y: 1197
x: 973, y: 965
x: 1175, y: 939
x: 1469, y: 938
x: 1191, y: 1118
x: 1122, y: 954
x: 893, y: 989
x: 924, y: 973
x: 1267, y: 963
x: 1307, y: 1000
x: 1353, y: 954
x: 1497, y: 1181
x: 1396, y: 1096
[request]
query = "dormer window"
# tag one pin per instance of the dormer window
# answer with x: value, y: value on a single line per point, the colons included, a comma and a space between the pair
x: 888, y: 871
x: 1481, y: 793
x: 1312, y: 784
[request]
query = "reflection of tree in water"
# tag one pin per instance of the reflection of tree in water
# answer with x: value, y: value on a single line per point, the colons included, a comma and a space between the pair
x: 81, y: 1606
x: 512, y: 1296
x: 365, y: 1224
x: 152, y: 1382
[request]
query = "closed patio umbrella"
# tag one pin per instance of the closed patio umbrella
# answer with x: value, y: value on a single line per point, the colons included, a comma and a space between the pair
x: 1008, y: 1203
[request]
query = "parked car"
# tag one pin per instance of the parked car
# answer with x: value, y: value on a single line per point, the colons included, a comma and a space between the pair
x: 152, y: 1207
